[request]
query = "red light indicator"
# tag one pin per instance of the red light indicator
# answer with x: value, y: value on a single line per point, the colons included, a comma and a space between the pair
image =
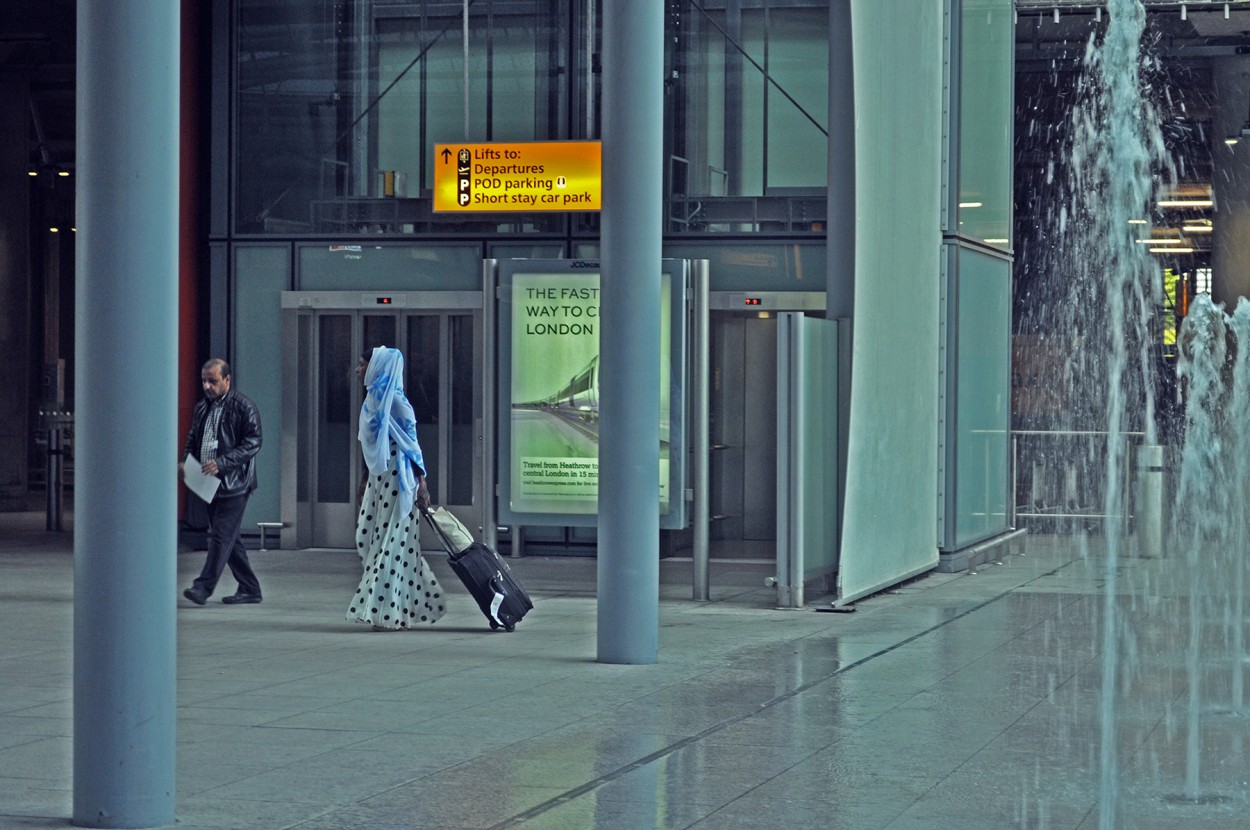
x: 383, y: 300
x: 751, y: 301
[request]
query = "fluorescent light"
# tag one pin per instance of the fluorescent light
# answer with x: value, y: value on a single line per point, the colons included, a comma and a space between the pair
x: 54, y: 230
x: 970, y: 204
x: 1160, y: 240
x: 1171, y: 250
x: 62, y: 172
x: 1231, y: 140
x: 1197, y: 228
x: 997, y: 241
x: 32, y: 172
x: 1137, y: 221
x: 1186, y: 203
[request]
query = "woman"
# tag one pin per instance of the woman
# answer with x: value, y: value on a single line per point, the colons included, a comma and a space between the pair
x: 398, y: 589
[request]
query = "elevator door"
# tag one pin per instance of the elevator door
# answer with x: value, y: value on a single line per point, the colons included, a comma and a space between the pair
x: 743, y: 433
x: 441, y: 379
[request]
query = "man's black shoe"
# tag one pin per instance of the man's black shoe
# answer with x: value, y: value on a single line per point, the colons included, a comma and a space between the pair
x: 195, y: 596
x: 241, y: 599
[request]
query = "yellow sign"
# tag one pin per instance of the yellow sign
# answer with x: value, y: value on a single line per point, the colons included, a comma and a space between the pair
x: 529, y: 176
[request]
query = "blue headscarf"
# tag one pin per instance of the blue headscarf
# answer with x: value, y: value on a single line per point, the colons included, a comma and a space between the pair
x: 386, y: 415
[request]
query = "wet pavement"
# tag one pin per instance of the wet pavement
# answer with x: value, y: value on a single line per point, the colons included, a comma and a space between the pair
x: 953, y: 702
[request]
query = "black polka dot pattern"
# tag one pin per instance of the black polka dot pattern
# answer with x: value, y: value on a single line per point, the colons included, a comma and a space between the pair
x: 397, y: 589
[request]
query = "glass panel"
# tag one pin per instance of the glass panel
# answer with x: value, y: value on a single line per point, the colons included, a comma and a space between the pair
x: 794, y: 152
x: 261, y: 275
x: 327, y: 100
x: 380, y: 331
x: 449, y: 267
x: 983, y: 395
x: 462, y: 386
x: 304, y: 387
x: 746, y: 266
x: 985, y: 120
x: 335, y: 443
x: 422, y: 359
x: 735, y: 132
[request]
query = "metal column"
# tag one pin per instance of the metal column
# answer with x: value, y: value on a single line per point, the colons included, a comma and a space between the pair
x: 490, y: 354
x: 700, y: 426
x: 126, y: 382
x: 629, y: 445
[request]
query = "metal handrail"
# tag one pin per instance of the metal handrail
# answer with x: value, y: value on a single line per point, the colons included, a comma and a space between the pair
x: 1014, y: 512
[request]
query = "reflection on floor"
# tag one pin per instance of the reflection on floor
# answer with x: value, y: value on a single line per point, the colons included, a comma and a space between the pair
x: 966, y: 702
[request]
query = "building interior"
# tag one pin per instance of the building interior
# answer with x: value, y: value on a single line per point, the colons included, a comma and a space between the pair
x: 921, y: 613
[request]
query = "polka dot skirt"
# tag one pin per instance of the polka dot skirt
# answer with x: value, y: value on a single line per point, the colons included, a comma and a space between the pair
x: 397, y: 589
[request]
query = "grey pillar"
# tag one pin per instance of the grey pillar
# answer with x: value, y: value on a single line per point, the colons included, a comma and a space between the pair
x: 15, y: 268
x: 840, y: 230
x: 1230, y: 256
x: 125, y: 376
x: 629, y: 337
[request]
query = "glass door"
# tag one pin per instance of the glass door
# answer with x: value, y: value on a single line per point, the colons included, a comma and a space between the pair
x: 442, y: 354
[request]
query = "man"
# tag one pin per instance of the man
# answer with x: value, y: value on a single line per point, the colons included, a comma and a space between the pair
x: 225, y: 437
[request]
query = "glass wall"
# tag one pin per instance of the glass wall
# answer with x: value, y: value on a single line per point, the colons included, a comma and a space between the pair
x: 981, y: 354
x: 338, y: 108
x: 978, y: 307
x: 986, y: 81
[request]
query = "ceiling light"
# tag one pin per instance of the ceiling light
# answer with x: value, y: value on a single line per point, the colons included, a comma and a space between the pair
x: 997, y: 241
x: 1198, y: 228
x: 1187, y: 203
x: 970, y: 204
x: 1171, y: 250
x: 54, y: 230
x: 32, y: 172
x: 1184, y: 12
x: 1232, y: 139
x: 1137, y: 221
x: 1159, y: 241
x: 62, y: 172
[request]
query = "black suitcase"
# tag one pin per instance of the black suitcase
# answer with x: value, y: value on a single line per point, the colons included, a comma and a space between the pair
x: 485, y: 574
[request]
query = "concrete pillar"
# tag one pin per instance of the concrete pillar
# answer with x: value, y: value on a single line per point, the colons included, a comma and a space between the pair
x: 125, y: 574
x: 15, y: 269
x: 840, y: 233
x: 1230, y: 256
x: 629, y: 340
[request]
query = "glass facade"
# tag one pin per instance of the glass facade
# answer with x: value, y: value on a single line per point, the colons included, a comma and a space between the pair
x: 986, y: 74
x: 978, y: 280
x: 338, y: 108
x: 335, y: 110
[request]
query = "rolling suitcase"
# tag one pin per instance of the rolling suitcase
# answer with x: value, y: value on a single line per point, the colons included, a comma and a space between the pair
x: 482, y: 570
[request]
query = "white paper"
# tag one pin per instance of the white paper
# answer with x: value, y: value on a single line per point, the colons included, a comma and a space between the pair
x: 204, y: 486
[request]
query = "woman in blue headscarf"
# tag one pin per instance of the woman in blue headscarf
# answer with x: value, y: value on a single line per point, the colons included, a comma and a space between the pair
x: 398, y: 589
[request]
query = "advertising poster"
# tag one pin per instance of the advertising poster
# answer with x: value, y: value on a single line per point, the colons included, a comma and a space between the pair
x: 554, y: 463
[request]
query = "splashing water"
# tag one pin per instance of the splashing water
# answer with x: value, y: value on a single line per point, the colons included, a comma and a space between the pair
x: 1117, y: 148
x: 1108, y: 172
x: 1115, y: 162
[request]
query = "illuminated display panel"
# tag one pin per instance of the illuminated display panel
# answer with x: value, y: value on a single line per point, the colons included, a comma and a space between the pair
x: 549, y: 393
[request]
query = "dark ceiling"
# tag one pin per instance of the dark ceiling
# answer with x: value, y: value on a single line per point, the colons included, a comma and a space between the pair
x: 37, y: 43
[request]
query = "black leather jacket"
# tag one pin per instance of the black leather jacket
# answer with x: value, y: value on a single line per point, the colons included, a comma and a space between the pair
x: 238, y: 441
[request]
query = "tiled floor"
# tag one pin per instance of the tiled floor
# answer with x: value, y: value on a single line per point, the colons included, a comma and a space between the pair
x: 955, y: 702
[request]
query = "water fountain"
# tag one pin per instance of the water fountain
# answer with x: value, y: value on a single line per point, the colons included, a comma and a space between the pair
x: 1103, y: 306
